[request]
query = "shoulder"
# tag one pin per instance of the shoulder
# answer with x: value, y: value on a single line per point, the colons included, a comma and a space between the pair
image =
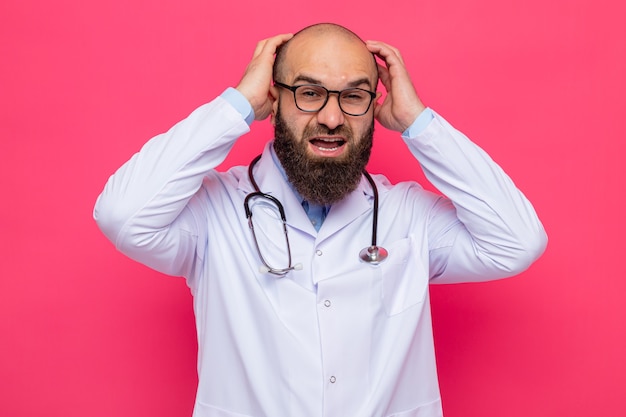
x: 406, y: 195
x: 229, y: 179
x: 388, y: 189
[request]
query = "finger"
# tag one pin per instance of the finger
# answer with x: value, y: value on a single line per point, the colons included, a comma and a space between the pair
x: 259, y: 48
x: 385, y: 49
x: 271, y: 45
x: 387, y: 53
x: 383, y: 74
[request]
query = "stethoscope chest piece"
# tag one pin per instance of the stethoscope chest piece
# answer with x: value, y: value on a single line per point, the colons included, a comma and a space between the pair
x: 373, y: 255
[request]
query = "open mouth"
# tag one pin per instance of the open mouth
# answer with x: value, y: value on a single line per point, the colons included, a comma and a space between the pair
x: 327, y: 144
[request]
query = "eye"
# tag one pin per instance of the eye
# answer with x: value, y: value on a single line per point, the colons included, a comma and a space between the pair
x: 355, y: 95
x: 311, y: 92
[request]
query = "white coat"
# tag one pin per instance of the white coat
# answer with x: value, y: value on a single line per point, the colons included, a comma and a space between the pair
x: 338, y: 338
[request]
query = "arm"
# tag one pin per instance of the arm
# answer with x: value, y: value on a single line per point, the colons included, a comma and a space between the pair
x: 491, y: 230
x: 140, y: 208
x: 487, y: 229
x: 144, y: 209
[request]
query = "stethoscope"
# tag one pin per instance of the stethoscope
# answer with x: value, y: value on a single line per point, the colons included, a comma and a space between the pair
x: 372, y: 254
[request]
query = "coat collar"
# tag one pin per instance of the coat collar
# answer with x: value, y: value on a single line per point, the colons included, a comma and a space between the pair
x: 271, y: 181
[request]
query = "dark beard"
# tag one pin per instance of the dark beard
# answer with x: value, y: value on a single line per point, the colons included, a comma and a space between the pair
x: 321, y: 180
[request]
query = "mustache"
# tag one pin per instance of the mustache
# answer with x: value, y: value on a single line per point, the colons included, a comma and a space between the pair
x: 321, y: 130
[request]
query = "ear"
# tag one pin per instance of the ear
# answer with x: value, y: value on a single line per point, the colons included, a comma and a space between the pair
x: 274, y: 96
x: 377, y: 103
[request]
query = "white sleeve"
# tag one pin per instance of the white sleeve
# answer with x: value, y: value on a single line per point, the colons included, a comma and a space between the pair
x: 487, y: 229
x: 143, y: 200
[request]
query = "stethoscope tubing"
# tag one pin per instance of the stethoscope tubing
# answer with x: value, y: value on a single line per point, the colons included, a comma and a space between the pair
x: 372, y: 254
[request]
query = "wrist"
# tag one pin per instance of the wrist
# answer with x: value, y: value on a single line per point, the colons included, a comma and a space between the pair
x: 239, y: 101
x: 419, y: 124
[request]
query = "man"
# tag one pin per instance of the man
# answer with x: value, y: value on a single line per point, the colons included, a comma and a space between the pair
x: 312, y: 324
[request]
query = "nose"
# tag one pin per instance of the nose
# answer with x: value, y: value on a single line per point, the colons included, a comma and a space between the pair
x: 331, y: 115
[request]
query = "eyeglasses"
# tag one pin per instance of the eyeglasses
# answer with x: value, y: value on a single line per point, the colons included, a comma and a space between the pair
x: 313, y: 98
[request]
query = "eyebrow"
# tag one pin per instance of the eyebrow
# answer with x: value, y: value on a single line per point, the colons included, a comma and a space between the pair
x: 351, y: 84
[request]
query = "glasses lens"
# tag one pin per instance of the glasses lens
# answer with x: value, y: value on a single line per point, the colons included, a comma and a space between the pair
x: 355, y: 100
x: 269, y: 232
x: 310, y: 97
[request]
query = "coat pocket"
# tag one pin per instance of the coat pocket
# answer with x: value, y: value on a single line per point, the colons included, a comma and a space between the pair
x: 404, y: 277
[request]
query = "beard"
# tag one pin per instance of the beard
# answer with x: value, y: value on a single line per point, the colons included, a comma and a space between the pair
x: 322, y: 180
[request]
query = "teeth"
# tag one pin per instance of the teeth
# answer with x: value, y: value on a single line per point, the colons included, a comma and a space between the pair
x: 339, y: 144
x: 327, y: 149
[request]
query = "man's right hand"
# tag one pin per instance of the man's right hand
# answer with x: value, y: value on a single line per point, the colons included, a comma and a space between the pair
x: 256, y: 81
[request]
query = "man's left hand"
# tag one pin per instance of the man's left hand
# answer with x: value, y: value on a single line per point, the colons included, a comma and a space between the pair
x: 401, y: 107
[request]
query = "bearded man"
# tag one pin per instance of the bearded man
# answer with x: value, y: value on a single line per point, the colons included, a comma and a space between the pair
x: 299, y: 311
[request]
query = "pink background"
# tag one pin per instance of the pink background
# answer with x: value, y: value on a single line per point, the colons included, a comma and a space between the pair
x: 539, y: 84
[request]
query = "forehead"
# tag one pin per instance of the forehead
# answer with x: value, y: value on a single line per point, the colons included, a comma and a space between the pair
x: 333, y: 60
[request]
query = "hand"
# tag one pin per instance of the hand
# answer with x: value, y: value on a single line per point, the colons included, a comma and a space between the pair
x: 256, y: 81
x: 401, y: 106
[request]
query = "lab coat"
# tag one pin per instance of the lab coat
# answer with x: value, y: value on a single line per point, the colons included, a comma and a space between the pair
x: 339, y: 337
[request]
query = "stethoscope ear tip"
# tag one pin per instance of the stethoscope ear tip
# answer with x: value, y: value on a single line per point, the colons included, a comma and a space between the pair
x: 373, y: 255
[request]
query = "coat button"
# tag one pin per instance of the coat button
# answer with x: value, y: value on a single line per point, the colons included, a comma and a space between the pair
x: 318, y: 252
x: 332, y: 379
x: 327, y: 303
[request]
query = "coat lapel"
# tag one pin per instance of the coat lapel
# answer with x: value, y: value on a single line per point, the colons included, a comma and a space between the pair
x: 344, y: 212
x: 341, y: 214
x: 271, y: 181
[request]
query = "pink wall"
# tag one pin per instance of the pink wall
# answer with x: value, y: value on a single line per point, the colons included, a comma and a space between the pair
x: 539, y: 84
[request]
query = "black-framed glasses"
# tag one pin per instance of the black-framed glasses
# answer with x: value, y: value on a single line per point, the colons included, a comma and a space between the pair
x: 313, y: 98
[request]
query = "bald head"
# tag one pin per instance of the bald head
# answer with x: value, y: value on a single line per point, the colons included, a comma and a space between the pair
x: 322, y: 34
